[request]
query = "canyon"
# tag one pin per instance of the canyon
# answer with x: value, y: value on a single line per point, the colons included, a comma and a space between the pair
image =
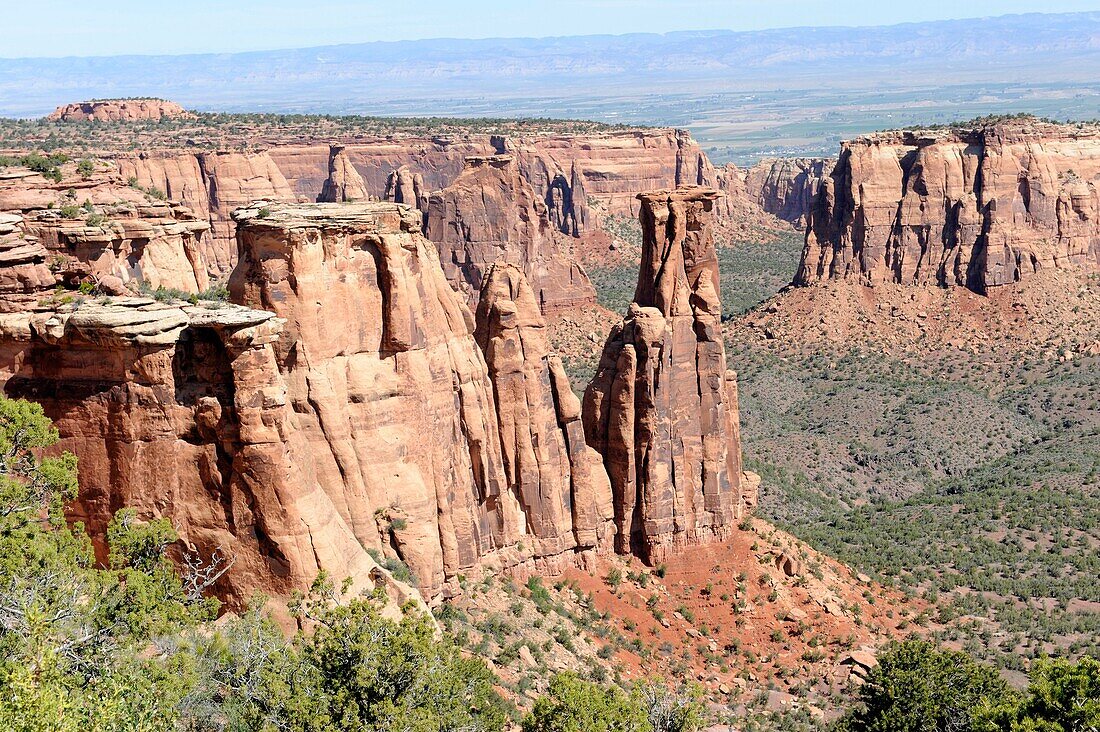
x: 212, y: 164
x: 284, y: 428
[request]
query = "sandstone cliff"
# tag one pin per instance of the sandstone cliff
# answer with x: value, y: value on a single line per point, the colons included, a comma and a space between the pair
x: 98, y: 230
x: 976, y: 208
x: 212, y: 184
x: 786, y: 187
x: 117, y: 110
x: 378, y: 346
x: 560, y: 481
x: 24, y: 275
x: 578, y: 178
x: 181, y: 411
x: 661, y: 408
x: 407, y: 187
x: 491, y: 214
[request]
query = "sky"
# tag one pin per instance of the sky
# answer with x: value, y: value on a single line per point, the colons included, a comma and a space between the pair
x: 112, y: 27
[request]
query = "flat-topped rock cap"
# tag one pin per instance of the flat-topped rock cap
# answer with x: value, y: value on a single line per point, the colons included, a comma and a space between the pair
x: 498, y: 161
x: 1008, y: 127
x: 117, y: 110
x: 682, y: 193
x: 380, y: 216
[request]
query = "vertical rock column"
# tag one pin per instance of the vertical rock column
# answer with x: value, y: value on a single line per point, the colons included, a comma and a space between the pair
x: 662, y: 408
x: 559, y: 480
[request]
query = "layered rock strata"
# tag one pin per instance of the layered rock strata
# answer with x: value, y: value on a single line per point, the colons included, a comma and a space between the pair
x: 787, y: 187
x: 212, y: 184
x: 377, y: 348
x: 181, y: 411
x: 489, y: 215
x: 976, y: 208
x: 24, y: 274
x: 101, y: 231
x: 662, y: 407
x: 578, y: 178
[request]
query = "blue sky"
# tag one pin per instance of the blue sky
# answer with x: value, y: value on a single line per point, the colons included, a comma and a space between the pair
x: 109, y: 27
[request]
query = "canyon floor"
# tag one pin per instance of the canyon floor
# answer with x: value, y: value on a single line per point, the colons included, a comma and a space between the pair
x: 944, y: 443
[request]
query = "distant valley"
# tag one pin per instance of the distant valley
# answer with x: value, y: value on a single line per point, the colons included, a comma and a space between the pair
x: 744, y: 95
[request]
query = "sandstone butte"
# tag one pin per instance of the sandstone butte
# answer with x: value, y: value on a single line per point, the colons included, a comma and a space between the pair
x: 288, y: 429
x: 490, y: 214
x: 974, y: 208
x: 662, y: 407
x: 117, y: 110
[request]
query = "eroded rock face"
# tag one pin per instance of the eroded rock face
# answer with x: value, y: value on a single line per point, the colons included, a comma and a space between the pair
x: 405, y: 186
x: 490, y: 214
x: 787, y: 187
x: 977, y: 208
x: 117, y: 110
x: 24, y: 275
x: 559, y: 480
x: 181, y: 412
x: 344, y: 184
x: 610, y: 168
x: 662, y: 408
x: 392, y: 395
x: 377, y: 347
x: 98, y: 230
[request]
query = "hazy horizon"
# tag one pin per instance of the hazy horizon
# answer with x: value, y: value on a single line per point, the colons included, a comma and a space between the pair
x: 208, y: 27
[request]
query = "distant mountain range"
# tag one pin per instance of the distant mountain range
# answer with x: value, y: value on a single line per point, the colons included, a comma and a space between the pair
x: 431, y: 76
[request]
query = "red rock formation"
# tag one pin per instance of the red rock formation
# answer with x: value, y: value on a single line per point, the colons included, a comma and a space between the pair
x: 360, y: 393
x: 490, y: 214
x: 96, y: 228
x: 405, y: 186
x: 610, y: 168
x: 378, y: 345
x: 343, y: 183
x: 560, y: 481
x: 181, y: 411
x: 117, y: 110
x: 24, y: 276
x: 662, y: 408
x: 976, y: 208
x: 567, y: 172
x: 212, y: 184
x: 786, y: 187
